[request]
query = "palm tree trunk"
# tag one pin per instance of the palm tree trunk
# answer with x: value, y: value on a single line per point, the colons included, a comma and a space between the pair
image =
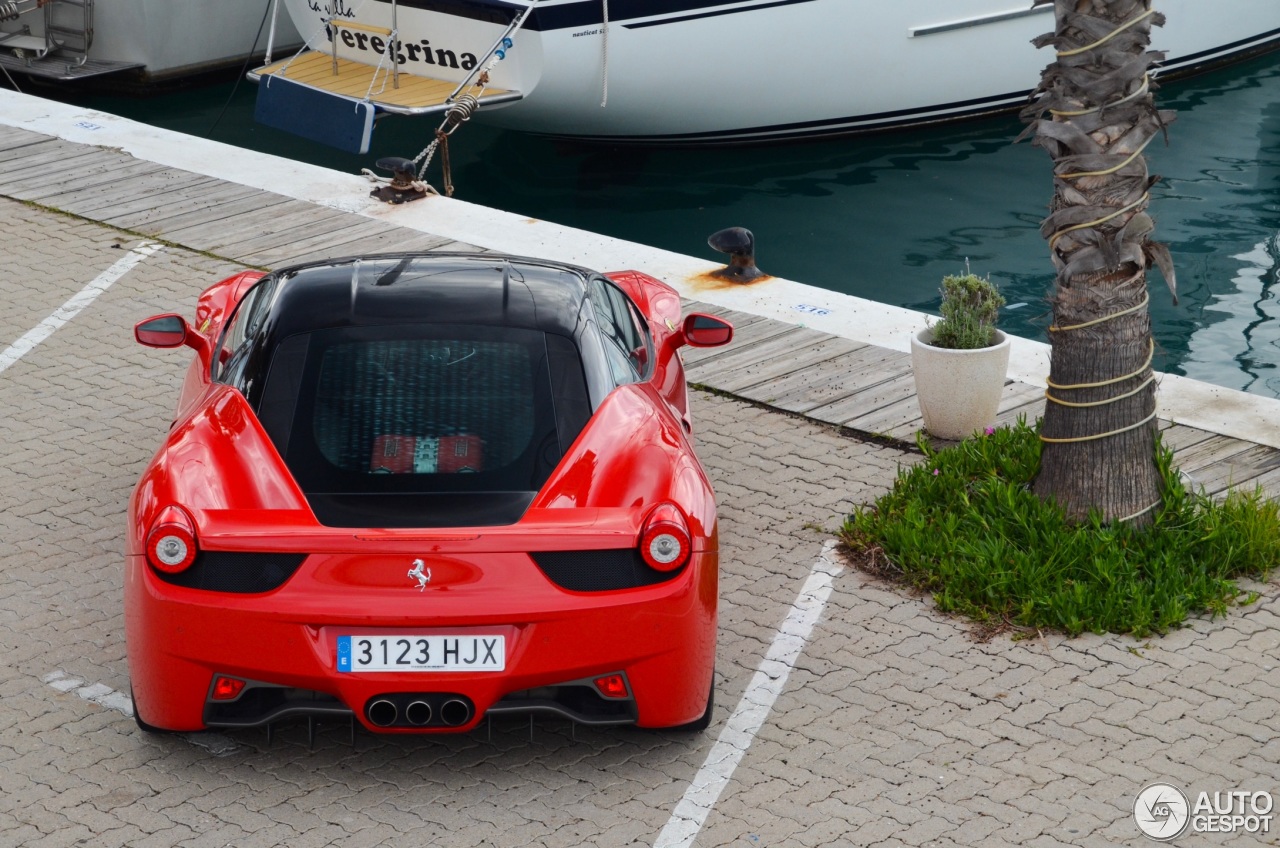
x: 1094, y: 114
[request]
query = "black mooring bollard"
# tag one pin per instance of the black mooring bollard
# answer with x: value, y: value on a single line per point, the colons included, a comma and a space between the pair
x: 740, y: 244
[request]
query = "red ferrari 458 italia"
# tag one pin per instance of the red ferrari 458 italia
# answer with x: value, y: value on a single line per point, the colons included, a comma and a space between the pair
x: 417, y: 490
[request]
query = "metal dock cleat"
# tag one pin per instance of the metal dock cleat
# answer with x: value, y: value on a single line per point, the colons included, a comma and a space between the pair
x: 404, y: 186
x: 740, y: 244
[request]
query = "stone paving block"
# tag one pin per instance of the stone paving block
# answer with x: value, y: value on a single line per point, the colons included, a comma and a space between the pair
x: 895, y: 728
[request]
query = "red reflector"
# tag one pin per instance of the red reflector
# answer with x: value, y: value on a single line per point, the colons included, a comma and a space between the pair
x: 612, y: 685
x: 227, y: 688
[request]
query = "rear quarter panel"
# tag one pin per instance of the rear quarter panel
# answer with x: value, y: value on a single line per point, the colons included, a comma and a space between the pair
x: 632, y: 454
x: 217, y: 458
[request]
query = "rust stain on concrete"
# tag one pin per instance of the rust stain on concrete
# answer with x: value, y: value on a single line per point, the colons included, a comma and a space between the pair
x: 710, y: 282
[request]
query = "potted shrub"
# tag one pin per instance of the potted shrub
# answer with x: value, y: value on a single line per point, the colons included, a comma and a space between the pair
x: 960, y: 362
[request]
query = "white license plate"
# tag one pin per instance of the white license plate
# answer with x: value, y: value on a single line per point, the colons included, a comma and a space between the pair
x: 422, y: 653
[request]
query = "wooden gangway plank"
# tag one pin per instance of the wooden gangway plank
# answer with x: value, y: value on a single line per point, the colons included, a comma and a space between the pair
x: 15, y: 136
x: 101, y: 189
x: 823, y: 382
x: 283, y: 223
x: 744, y: 355
x: 29, y: 169
x: 751, y: 379
x: 746, y: 334
x: 91, y: 201
x: 879, y: 393
x: 1180, y: 436
x: 201, y: 203
x: 1236, y: 470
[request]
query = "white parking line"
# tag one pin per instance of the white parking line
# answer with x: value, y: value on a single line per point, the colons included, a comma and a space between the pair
x: 769, y: 681
x: 103, y: 695
x: 98, y: 693
x: 78, y: 301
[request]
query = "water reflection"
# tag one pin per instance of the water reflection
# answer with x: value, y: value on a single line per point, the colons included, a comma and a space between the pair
x: 1226, y: 205
x: 886, y: 216
x: 1238, y: 322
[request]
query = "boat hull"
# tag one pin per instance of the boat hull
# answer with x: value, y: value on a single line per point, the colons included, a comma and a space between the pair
x: 726, y: 71
x: 158, y: 40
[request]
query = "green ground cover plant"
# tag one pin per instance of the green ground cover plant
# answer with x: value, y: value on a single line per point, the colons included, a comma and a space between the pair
x: 965, y: 526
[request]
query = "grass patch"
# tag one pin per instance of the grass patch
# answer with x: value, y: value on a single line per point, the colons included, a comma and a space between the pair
x: 964, y: 526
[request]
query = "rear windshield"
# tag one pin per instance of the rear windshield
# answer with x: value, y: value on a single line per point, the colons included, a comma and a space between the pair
x: 424, y: 426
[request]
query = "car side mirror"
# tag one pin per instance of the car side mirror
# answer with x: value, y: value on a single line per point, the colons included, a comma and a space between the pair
x: 701, y: 330
x: 162, y: 331
x: 169, y: 330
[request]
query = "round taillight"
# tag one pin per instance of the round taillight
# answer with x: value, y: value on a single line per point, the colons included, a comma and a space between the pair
x: 665, y: 544
x: 171, y: 544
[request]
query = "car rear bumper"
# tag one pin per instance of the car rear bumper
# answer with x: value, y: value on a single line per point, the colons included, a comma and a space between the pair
x: 661, y: 638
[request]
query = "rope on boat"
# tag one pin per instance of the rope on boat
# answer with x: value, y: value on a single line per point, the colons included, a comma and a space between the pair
x: 464, y: 106
x: 604, y: 55
x: 306, y: 44
x: 10, y: 9
x: 459, y: 113
x: 465, y: 102
x: 393, y: 42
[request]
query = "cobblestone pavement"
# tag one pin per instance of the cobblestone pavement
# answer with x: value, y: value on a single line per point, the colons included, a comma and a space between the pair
x: 895, y: 728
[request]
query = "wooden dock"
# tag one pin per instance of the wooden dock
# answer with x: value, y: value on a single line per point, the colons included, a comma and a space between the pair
x: 824, y: 377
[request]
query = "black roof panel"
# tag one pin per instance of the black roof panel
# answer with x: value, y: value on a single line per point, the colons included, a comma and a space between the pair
x: 448, y: 288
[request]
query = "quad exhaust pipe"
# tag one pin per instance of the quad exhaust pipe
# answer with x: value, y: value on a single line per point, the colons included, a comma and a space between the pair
x: 418, y: 713
x: 383, y: 713
x: 455, y: 712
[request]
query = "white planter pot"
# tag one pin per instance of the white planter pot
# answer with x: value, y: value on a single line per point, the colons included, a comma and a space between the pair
x: 959, y: 390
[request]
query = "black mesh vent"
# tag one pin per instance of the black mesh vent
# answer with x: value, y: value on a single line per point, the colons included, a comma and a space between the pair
x: 426, y: 388
x: 245, y: 573
x: 599, y: 571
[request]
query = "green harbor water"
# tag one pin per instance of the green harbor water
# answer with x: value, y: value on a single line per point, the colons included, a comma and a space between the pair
x: 885, y: 216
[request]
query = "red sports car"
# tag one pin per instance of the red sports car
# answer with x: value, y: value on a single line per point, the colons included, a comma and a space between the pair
x: 422, y: 489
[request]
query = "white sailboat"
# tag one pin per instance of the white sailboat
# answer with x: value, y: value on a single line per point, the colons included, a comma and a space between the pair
x: 719, y: 71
